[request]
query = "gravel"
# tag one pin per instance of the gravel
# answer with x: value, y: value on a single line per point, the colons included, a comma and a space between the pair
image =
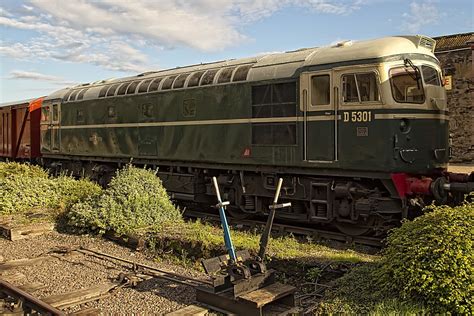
x: 77, y: 271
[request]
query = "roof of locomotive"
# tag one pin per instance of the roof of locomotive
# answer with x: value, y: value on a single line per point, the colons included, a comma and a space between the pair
x: 272, y: 66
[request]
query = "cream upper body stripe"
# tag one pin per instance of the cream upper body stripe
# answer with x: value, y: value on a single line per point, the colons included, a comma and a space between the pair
x: 253, y: 120
x: 208, y: 122
x: 412, y: 116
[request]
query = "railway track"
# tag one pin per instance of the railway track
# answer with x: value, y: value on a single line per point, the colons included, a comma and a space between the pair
x: 282, y: 229
x: 21, y: 299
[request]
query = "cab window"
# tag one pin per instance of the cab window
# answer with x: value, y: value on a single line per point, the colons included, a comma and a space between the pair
x: 45, y: 114
x: 406, y: 85
x: 360, y: 88
x: 430, y: 75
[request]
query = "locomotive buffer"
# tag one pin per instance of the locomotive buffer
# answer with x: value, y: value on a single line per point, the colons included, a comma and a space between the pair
x: 242, y: 284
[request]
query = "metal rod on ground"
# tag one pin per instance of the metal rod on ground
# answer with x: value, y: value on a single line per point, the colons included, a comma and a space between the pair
x: 95, y: 253
x: 225, y: 225
x: 271, y: 216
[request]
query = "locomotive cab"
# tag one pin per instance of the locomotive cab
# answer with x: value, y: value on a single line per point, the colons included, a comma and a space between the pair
x: 422, y: 139
x: 380, y: 106
x: 420, y: 128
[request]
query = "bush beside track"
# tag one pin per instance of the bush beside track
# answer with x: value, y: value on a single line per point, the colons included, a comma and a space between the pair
x: 135, y: 200
x: 427, y: 265
x: 432, y: 259
x: 26, y: 188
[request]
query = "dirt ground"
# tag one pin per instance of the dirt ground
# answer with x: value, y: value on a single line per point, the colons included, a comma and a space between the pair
x: 461, y: 168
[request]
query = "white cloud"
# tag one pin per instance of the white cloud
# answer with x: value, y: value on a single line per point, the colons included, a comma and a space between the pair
x: 29, y: 75
x: 4, y: 12
x: 421, y: 14
x: 113, y: 34
x: 269, y: 53
x: 24, y: 51
x: 27, y: 7
x: 162, y: 22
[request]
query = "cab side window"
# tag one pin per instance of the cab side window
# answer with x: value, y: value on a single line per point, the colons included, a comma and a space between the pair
x: 360, y: 88
x: 45, y: 114
x: 55, y: 113
x: 320, y: 90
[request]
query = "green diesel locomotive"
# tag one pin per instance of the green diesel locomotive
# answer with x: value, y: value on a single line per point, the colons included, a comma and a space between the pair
x: 358, y: 131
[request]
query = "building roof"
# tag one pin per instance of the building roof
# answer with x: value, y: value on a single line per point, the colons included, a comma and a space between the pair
x: 454, y: 41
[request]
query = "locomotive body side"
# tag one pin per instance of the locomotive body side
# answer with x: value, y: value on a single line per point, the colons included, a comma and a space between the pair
x: 259, y: 122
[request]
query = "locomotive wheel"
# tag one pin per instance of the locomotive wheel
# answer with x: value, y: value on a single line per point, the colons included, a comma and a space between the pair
x: 358, y: 229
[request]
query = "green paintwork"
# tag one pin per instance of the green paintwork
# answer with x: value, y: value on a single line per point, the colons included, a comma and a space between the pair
x: 377, y: 145
x: 225, y: 144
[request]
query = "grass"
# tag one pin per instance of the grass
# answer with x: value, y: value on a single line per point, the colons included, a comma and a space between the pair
x: 353, y: 293
x: 357, y: 293
x: 207, y: 241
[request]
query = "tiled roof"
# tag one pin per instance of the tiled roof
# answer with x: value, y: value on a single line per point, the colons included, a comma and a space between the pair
x: 455, y: 41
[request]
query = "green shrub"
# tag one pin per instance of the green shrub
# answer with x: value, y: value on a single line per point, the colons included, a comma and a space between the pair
x: 19, y: 194
x: 432, y: 259
x: 135, y: 199
x: 25, y: 188
x: 72, y: 191
x: 21, y: 169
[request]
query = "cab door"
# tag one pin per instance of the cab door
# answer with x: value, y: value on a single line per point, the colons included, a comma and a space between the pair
x: 50, y: 123
x: 319, y: 116
x: 45, y: 124
x: 55, y: 127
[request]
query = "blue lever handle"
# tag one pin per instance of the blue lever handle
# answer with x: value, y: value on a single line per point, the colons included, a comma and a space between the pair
x: 225, y: 225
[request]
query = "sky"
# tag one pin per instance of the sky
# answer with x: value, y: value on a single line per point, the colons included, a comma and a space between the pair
x: 46, y: 45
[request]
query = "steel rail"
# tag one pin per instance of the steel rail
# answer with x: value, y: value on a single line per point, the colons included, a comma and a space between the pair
x: 28, y: 300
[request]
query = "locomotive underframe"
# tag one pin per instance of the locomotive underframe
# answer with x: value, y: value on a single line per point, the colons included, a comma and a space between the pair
x: 356, y: 204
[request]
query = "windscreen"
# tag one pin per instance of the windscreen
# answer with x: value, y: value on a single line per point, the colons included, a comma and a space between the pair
x: 430, y: 75
x: 406, y: 85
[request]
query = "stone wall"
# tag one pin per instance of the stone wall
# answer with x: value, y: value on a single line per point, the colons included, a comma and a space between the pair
x: 458, y: 64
